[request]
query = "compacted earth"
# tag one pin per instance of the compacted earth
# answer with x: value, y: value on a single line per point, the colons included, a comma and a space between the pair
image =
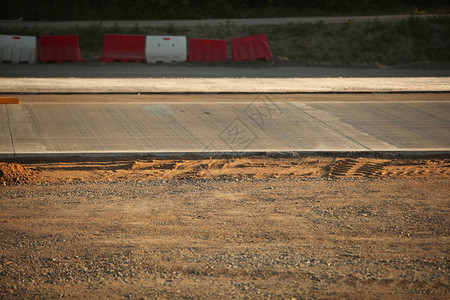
x: 247, y: 227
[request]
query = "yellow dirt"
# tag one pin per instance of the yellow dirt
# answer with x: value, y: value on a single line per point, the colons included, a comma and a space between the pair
x: 242, y: 167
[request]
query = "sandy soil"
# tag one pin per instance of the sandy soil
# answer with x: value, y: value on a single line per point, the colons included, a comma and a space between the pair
x: 258, y: 167
x: 256, y: 227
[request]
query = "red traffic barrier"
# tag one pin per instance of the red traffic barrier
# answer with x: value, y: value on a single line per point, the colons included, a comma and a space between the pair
x: 253, y: 47
x: 207, y: 50
x: 123, y: 48
x: 59, y: 48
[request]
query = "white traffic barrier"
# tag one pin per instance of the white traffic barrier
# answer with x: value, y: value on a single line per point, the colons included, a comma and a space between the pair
x: 165, y: 48
x: 18, y: 48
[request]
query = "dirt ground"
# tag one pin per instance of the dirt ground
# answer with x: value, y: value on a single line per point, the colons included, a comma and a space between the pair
x: 248, y: 227
x: 75, y: 169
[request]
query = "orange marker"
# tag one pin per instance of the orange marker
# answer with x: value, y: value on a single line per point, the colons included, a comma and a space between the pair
x: 9, y: 100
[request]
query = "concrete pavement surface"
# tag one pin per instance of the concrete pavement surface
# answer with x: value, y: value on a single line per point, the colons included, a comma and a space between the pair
x: 261, y: 125
x: 206, y: 85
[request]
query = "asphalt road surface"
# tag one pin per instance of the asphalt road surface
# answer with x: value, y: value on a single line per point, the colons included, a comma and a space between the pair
x: 186, y: 70
x: 258, y: 124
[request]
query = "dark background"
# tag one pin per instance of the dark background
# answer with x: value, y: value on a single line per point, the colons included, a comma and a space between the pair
x: 41, y: 10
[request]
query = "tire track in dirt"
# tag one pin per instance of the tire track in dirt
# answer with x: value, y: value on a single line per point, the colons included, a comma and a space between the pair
x: 215, y: 168
x: 358, y: 168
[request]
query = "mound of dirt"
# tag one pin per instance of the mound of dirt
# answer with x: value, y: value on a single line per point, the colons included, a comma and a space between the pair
x: 14, y: 173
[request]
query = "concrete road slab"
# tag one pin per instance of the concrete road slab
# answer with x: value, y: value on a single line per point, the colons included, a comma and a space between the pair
x: 6, y: 146
x: 58, y: 128
x: 227, y: 85
x: 384, y: 126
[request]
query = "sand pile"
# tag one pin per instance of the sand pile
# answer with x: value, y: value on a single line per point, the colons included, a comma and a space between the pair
x: 15, y: 173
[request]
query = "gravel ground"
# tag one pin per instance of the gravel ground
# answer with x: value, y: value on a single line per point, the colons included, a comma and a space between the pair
x: 226, y: 238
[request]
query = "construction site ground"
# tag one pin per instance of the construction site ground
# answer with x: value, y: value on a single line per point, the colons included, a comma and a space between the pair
x: 295, y: 225
x: 245, y: 227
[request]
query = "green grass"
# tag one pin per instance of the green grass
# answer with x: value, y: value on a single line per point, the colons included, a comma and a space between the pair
x: 348, y: 44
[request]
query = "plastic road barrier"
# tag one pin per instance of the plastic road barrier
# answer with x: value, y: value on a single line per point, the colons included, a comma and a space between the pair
x: 123, y: 48
x: 207, y: 50
x: 165, y: 48
x: 16, y: 48
x: 59, y: 48
x: 253, y: 47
